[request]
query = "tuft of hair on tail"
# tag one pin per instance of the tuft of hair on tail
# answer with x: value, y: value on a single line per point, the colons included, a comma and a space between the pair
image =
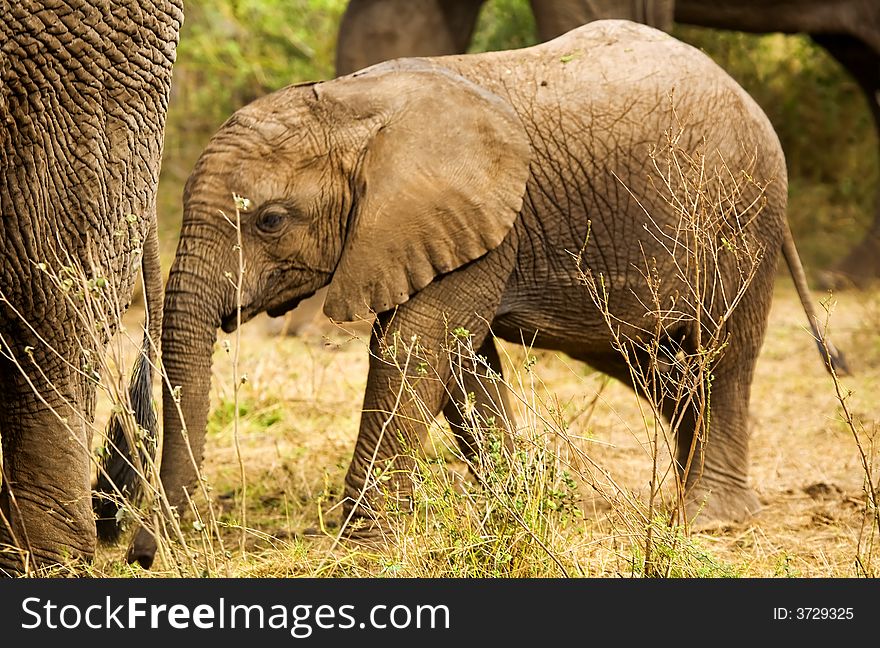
x: 123, y: 472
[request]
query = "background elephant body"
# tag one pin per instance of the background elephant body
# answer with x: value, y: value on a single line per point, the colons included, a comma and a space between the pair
x: 372, y: 31
x: 83, y: 95
x: 376, y: 30
x: 477, y: 192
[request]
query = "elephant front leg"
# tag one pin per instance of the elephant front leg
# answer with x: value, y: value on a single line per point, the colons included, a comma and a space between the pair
x: 412, y: 351
x: 401, y: 399
x: 405, y: 391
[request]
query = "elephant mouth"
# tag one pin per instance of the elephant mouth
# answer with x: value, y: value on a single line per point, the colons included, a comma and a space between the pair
x: 230, y: 321
x: 288, y: 305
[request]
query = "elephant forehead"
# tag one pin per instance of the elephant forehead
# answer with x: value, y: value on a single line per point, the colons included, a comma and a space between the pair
x: 279, y: 178
x: 258, y: 173
x: 272, y: 127
x: 265, y: 153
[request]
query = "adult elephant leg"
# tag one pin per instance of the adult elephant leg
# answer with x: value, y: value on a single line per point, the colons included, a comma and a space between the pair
x: 862, y: 264
x: 553, y: 17
x: 479, y: 404
x: 45, y: 499
x: 410, y: 367
x: 372, y: 31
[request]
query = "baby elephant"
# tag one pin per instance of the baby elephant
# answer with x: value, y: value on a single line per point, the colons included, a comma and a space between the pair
x: 607, y: 193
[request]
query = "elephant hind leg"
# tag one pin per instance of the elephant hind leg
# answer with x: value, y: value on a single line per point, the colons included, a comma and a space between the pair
x: 712, y: 452
x: 478, y: 407
x: 713, y: 429
x: 708, y: 418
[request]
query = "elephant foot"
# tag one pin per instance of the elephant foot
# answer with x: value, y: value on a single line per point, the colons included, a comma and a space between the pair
x: 714, y: 506
x: 41, y: 534
x: 369, y: 532
x: 371, y: 543
x: 16, y: 562
x: 379, y: 517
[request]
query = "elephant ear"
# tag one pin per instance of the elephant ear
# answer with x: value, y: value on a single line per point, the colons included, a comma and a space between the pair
x: 439, y: 184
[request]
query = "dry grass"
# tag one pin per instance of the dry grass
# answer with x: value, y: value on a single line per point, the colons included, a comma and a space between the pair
x: 299, y: 417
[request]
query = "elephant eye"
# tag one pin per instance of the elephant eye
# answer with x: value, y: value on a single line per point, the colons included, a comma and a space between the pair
x: 271, y: 220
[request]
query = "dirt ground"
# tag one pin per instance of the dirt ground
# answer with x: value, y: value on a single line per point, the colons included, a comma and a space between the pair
x: 301, y: 401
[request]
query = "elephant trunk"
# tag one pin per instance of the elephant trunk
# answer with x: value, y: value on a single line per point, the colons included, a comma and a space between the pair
x: 192, y: 315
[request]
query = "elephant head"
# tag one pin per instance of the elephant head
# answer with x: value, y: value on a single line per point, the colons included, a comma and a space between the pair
x: 372, y: 184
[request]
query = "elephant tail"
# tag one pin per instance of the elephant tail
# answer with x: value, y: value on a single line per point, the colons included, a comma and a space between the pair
x: 121, y: 474
x: 833, y: 359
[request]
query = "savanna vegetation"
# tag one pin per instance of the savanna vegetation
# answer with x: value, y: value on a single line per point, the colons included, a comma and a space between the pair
x: 587, y: 492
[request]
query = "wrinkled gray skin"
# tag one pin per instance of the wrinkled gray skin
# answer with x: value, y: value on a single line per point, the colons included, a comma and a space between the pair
x: 83, y: 95
x: 452, y: 192
x: 378, y: 30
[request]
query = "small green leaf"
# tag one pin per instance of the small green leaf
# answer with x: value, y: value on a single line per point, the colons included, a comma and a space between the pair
x: 461, y: 333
